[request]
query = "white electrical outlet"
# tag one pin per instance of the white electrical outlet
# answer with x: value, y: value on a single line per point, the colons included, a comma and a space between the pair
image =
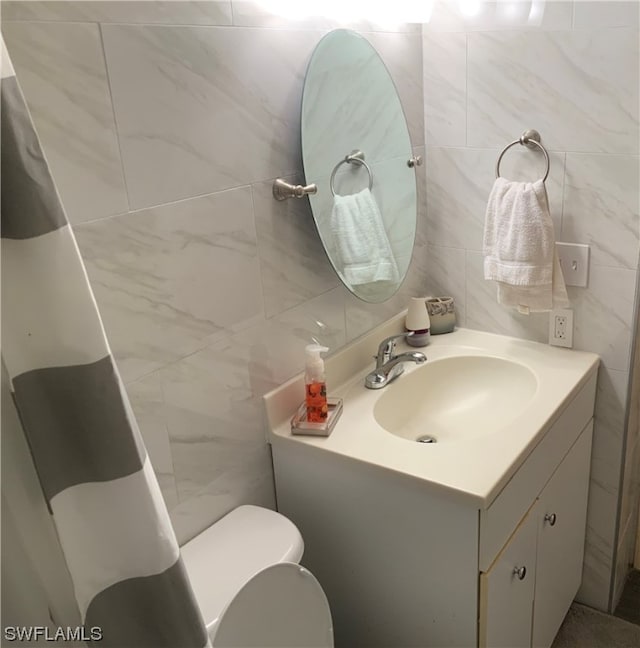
x: 561, y: 327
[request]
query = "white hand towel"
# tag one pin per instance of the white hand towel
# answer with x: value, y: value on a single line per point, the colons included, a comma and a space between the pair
x: 519, y: 248
x: 361, y: 240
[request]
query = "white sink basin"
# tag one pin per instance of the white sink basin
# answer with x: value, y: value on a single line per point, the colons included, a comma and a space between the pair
x: 455, y: 398
x: 487, y: 399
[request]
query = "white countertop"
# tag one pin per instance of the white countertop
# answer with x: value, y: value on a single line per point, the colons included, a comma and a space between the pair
x: 474, y: 470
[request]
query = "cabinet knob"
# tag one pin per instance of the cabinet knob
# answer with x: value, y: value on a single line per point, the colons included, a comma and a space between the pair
x: 550, y: 518
x: 520, y: 572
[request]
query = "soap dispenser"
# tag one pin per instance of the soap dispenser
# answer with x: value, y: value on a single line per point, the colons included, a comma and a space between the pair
x: 315, y: 384
x: 417, y: 321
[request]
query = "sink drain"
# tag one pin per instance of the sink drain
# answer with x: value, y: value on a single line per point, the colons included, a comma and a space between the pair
x: 426, y: 438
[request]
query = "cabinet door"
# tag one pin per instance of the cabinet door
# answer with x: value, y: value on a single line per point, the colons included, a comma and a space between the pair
x: 562, y: 512
x: 506, y: 590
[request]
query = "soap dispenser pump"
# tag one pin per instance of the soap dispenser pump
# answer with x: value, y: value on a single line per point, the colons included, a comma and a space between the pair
x: 315, y: 384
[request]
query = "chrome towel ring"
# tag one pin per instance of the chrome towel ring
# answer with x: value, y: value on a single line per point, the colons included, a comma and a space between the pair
x: 530, y: 139
x: 357, y: 157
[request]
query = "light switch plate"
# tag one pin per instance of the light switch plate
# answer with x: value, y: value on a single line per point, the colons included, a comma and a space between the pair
x: 574, y: 260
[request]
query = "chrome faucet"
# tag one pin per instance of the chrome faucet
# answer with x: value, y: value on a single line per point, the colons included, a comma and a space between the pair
x: 390, y: 366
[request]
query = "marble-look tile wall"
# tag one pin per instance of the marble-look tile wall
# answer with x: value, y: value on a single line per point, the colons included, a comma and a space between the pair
x: 630, y: 500
x: 572, y: 73
x: 165, y: 124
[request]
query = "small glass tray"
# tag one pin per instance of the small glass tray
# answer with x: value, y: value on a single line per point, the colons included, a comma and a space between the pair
x: 300, y: 425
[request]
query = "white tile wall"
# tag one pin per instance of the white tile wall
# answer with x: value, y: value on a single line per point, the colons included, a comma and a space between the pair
x: 445, y: 85
x: 629, y: 506
x: 624, y: 557
x: 606, y: 13
x: 218, y: 107
x: 497, y: 16
x: 603, y: 315
x: 161, y: 276
x: 252, y: 13
x: 447, y: 272
x: 209, y: 289
x: 578, y: 88
x: 181, y: 12
x: 574, y: 77
x: 293, y: 264
x: 66, y: 81
x: 601, y: 207
x: 402, y: 54
x: 147, y: 401
x: 605, y: 476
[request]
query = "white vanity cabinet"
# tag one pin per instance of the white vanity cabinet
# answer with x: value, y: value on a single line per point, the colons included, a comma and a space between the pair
x: 525, y: 593
x: 425, y: 544
x: 507, y: 590
x: 561, y: 529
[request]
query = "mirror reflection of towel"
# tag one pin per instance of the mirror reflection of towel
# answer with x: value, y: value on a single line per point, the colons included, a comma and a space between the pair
x: 361, y: 240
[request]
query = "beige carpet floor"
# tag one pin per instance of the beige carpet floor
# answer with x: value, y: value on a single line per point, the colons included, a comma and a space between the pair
x: 587, y: 628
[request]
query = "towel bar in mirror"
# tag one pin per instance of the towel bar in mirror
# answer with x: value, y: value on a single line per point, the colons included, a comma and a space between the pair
x: 355, y: 157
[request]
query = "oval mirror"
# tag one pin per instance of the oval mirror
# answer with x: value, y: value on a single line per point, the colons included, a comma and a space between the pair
x: 356, y: 148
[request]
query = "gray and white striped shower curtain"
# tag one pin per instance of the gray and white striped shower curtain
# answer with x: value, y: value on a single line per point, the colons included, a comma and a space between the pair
x: 95, y: 474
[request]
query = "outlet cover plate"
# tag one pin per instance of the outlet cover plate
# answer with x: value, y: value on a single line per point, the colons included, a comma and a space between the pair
x: 574, y: 260
x: 561, y: 327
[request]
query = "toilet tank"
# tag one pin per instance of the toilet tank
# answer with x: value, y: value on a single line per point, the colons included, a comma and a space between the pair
x: 224, y: 557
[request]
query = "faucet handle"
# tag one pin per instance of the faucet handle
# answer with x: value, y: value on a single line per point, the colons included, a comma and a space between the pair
x: 388, y: 345
x: 390, y: 342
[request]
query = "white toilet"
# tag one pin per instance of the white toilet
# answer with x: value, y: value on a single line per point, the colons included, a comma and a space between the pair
x: 251, y: 590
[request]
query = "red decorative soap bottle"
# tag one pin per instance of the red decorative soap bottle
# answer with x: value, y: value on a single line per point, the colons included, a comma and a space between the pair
x: 315, y: 384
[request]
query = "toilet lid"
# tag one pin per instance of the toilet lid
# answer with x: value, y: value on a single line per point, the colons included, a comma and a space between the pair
x: 282, y: 606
